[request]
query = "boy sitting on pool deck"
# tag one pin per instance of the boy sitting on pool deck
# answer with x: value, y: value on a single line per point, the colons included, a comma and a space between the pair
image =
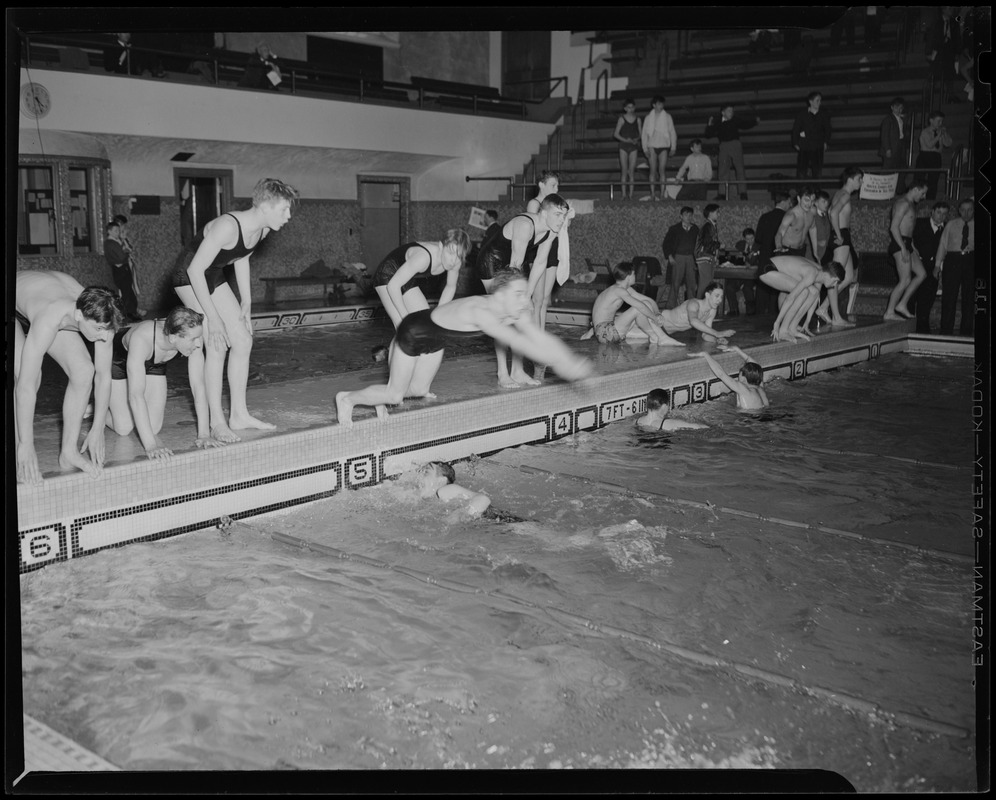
x: 505, y: 314
x: 656, y: 418
x: 799, y: 279
x: 698, y: 314
x: 607, y: 326
x: 747, y: 387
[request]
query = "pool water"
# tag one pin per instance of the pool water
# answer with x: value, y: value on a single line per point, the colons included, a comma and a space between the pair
x: 558, y: 642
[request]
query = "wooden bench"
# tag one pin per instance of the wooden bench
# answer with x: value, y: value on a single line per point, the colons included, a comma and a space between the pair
x: 324, y: 281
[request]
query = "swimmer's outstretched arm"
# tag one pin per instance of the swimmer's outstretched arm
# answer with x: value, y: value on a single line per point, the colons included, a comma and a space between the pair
x: 719, y: 372
x: 476, y: 502
x: 538, y: 346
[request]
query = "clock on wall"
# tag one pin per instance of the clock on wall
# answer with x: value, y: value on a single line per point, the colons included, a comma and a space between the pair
x: 35, y: 100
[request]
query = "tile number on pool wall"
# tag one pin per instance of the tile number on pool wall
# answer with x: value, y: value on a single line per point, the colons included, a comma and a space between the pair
x: 563, y: 425
x: 623, y: 408
x: 42, y: 545
x: 361, y: 471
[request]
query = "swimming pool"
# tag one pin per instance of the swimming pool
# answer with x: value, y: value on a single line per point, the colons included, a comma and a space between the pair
x: 569, y: 640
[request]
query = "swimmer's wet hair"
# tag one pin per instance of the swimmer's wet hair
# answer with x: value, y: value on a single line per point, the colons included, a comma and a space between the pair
x: 753, y: 373
x: 181, y: 319
x: 658, y: 398
x: 547, y: 174
x: 100, y: 305
x: 850, y: 172
x: 622, y: 270
x: 712, y: 287
x: 505, y: 276
x: 836, y: 269
x: 444, y: 469
x: 458, y: 238
x: 268, y: 190
x: 554, y: 201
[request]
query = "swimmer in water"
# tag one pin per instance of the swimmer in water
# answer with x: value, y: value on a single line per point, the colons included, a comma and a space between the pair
x: 656, y: 418
x: 747, y: 386
x: 437, y: 478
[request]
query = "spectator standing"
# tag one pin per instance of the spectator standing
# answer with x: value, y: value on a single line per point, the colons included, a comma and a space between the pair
x: 927, y: 233
x: 731, y: 152
x: 766, y: 230
x: 679, y: 252
x: 956, y: 261
x: 811, y: 137
x: 707, y: 248
x: 933, y: 139
x: 121, y: 272
x: 873, y: 25
x: 697, y: 170
x: 117, y: 57
x: 893, y: 136
x: 659, y: 139
x: 262, y: 70
x: 629, y: 135
x: 943, y: 50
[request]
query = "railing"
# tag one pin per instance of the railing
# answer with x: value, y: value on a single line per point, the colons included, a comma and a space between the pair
x: 598, y: 93
x: 767, y: 183
x: 561, y: 81
x: 296, y: 77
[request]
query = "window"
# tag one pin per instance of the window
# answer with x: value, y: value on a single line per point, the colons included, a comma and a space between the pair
x: 59, y: 203
x: 80, y: 209
x: 36, y: 233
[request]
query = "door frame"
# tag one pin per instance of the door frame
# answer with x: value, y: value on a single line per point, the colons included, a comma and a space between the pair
x: 227, y: 177
x: 404, y: 200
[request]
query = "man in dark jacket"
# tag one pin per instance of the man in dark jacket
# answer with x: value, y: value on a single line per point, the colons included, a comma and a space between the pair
x: 926, y: 237
x: 811, y: 137
x: 731, y: 151
x: 767, y: 226
x: 893, y: 136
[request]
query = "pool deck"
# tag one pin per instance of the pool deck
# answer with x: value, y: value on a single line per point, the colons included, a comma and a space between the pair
x: 309, y: 456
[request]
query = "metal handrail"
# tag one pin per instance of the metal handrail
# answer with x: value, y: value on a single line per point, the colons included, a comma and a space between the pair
x: 598, y: 83
x: 562, y: 80
x: 292, y: 74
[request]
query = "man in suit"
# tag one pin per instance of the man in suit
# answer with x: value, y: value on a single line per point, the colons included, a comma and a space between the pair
x: 766, y: 298
x: 811, y: 137
x: 956, y: 262
x: 926, y: 237
x: 893, y: 136
x: 943, y: 49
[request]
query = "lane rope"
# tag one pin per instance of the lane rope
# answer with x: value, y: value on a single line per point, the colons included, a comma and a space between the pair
x: 849, y: 702
x: 619, y: 489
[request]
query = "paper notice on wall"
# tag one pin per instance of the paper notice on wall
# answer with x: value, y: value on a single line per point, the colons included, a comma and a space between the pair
x: 879, y: 187
x: 477, y: 218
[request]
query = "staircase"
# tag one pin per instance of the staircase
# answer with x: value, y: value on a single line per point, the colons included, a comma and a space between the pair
x: 857, y: 84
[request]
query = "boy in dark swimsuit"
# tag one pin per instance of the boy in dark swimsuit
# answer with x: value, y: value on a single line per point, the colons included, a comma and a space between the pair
x: 504, y: 315
x: 138, y: 378
x: 522, y: 243
x: 199, y: 281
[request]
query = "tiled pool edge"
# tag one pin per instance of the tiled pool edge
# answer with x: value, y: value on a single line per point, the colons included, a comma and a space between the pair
x: 72, y: 515
x: 47, y: 750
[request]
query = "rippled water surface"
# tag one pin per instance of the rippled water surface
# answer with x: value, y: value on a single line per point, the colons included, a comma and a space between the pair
x: 580, y: 637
